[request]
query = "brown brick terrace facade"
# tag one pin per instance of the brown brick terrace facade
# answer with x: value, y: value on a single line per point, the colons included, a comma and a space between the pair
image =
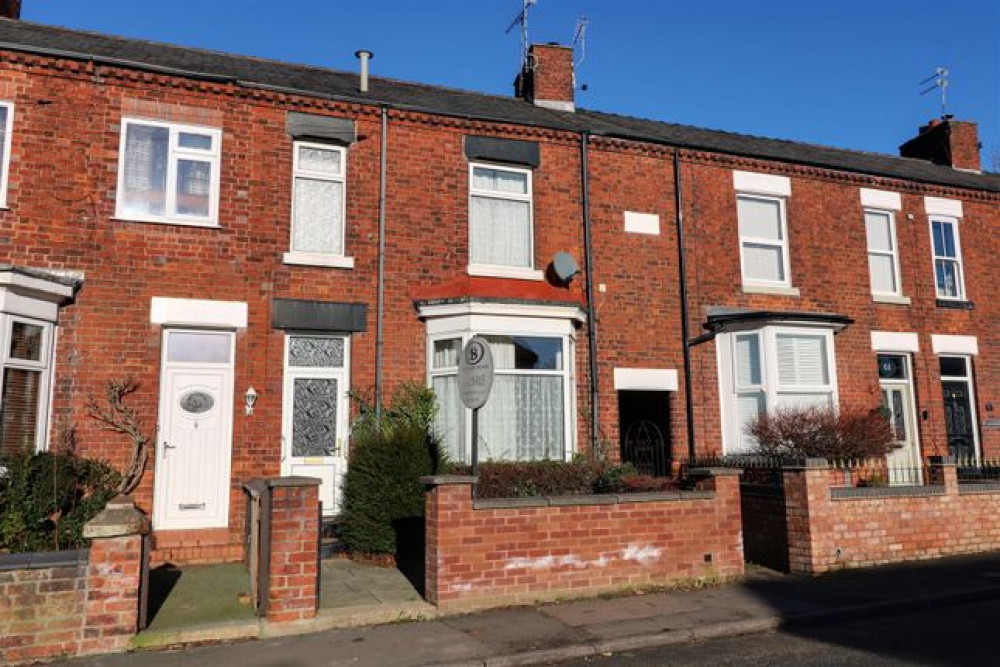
x: 233, y: 273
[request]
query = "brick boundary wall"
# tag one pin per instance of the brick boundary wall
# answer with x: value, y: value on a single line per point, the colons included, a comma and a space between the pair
x: 293, y: 558
x: 75, y: 603
x: 506, y: 551
x: 831, y: 527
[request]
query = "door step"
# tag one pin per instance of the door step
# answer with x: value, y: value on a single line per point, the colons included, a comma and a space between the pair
x: 330, y: 544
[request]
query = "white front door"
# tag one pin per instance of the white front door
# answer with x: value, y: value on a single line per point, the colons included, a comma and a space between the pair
x: 315, y: 412
x: 896, y: 383
x: 194, y: 443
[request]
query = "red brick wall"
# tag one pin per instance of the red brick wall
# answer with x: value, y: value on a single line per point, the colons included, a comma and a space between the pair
x: 538, y: 548
x: 74, y: 609
x: 886, y: 525
x: 553, y: 75
x: 293, y: 568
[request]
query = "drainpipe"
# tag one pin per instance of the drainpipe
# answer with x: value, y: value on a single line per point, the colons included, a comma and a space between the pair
x: 380, y: 316
x: 681, y: 262
x: 591, y: 313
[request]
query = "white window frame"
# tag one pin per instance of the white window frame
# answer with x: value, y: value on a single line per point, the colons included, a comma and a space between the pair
x: 893, y: 254
x: 7, y: 143
x: 756, y: 240
x: 174, y: 154
x: 771, y: 387
x: 45, y: 367
x: 292, y: 373
x: 329, y: 259
x: 536, y: 321
x: 501, y: 270
x: 957, y: 259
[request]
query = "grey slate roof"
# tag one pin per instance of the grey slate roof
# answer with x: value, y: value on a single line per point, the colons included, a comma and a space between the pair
x: 315, y: 81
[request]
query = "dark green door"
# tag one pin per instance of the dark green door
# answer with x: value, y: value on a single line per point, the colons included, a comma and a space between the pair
x: 958, y: 420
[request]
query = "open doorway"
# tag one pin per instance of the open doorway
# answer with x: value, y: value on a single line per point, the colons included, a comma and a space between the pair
x: 644, y: 430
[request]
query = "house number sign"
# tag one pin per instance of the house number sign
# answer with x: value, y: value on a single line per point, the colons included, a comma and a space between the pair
x: 475, y: 373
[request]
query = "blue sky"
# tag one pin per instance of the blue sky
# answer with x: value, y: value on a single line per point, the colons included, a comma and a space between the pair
x: 841, y: 72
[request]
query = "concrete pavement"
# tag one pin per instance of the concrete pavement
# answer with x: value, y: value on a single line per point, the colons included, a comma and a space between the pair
x: 547, y: 633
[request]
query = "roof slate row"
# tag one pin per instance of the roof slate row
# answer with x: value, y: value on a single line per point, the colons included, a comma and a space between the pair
x: 314, y: 81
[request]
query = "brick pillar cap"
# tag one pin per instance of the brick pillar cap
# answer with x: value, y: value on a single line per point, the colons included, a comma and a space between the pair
x: 119, y: 518
x: 941, y: 460
x: 715, y: 472
x: 448, y: 480
x: 275, y: 482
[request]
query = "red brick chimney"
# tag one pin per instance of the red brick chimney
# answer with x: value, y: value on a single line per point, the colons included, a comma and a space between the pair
x: 954, y: 143
x: 10, y: 9
x: 547, y: 78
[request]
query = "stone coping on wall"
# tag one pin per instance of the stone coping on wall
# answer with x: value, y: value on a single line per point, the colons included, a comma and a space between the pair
x: 592, y: 499
x: 973, y: 488
x: 860, y: 493
x: 44, y: 559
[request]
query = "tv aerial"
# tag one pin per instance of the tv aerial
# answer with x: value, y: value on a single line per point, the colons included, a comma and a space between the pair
x: 940, y: 79
x: 580, y: 45
x: 522, y: 20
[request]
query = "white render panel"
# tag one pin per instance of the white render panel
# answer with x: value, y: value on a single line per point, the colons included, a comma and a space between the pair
x: 939, y: 206
x: 645, y: 379
x: 954, y: 344
x: 881, y: 199
x: 198, y: 312
x: 894, y: 341
x: 642, y: 223
x: 764, y: 184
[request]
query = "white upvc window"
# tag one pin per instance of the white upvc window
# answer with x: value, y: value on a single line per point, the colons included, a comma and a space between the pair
x: 883, y: 252
x: 772, y: 368
x: 25, y: 378
x: 530, y: 414
x: 949, y: 276
x: 168, y: 173
x: 501, y: 235
x: 6, y: 132
x: 319, y: 206
x: 763, y: 240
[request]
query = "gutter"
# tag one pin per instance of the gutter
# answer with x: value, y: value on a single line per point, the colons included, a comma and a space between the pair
x: 380, y: 309
x: 682, y: 280
x: 589, y: 282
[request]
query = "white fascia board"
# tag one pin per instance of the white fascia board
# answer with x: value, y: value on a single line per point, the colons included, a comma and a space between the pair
x: 645, y: 379
x: 895, y: 341
x: 954, y: 344
x: 198, y: 313
x: 764, y: 184
x: 563, y: 312
x: 881, y: 199
x: 38, y: 287
x: 642, y: 223
x: 940, y: 206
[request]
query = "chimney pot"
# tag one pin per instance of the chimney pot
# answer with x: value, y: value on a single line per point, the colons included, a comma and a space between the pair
x: 364, y: 56
x: 547, y: 79
x: 945, y: 141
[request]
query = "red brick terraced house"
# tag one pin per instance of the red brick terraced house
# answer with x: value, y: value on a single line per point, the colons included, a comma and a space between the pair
x: 225, y: 228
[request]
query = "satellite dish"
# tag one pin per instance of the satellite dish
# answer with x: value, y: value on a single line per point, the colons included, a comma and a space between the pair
x: 564, y: 266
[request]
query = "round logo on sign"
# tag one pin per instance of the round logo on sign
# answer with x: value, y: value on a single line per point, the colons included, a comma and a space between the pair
x: 475, y: 373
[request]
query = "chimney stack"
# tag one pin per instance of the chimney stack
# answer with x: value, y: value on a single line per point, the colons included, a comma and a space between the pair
x: 10, y: 9
x: 364, y: 57
x: 547, y: 79
x: 954, y: 143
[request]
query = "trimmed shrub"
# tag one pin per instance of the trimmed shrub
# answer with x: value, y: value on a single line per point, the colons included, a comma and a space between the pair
x: 523, y: 479
x: 383, y: 495
x: 46, y: 498
x: 823, y: 432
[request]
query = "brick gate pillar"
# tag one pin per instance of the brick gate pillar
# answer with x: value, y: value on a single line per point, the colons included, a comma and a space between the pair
x: 448, y: 501
x: 807, y: 514
x: 114, y: 573
x: 293, y: 561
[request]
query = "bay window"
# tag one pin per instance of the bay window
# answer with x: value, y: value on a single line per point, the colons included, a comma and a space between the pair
x: 6, y: 123
x: 168, y: 173
x: 500, y: 222
x: 769, y: 369
x: 24, y: 384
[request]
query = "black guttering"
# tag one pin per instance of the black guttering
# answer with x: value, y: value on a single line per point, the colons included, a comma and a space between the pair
x: 685, y: 322
x: 720, y: 322
x: 588, y: 249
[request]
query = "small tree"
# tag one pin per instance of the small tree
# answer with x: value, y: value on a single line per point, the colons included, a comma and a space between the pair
x: 119, y: 417
x: 822, y: 432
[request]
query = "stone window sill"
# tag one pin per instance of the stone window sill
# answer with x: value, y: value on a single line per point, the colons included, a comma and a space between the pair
x: 891, y: 298
x: 319, y: 259
x: 780, y: 290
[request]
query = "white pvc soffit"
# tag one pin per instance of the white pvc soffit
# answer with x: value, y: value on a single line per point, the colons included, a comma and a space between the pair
x: 198, y: 313
x: 881, y: 199
x: 939, y: 206
x: 764, y: 184
x: 894, y: 341
x: 645, y: 379
x: 954, y: 344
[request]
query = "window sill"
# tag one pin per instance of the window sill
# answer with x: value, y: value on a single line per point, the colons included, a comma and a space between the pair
x: 516, y: 273
x: 781, y: 290
x: 170, y: 221
x: 891, y: 298
x: 955, y: 304
x: 319, y: 259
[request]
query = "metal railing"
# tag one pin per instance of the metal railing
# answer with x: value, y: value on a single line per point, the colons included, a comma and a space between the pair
x: 978, y: 471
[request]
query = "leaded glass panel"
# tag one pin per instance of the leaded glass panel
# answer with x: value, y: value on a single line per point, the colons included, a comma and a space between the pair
x: 316, y: 352
x: 314, y: 417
